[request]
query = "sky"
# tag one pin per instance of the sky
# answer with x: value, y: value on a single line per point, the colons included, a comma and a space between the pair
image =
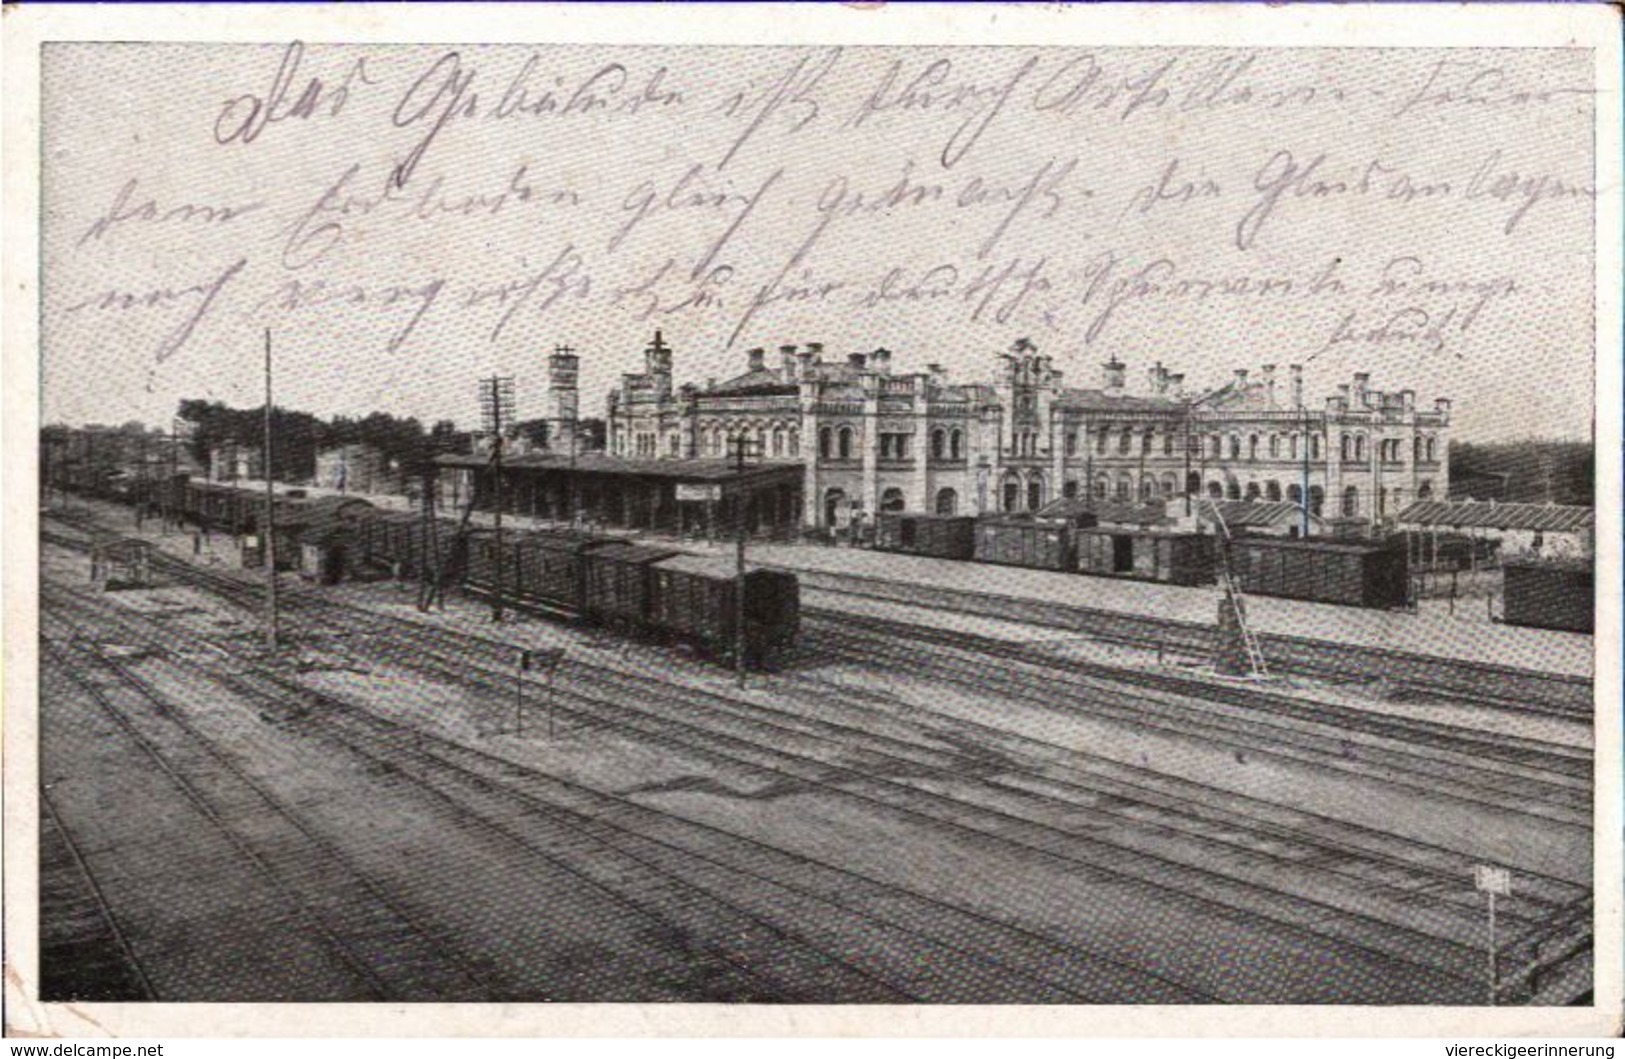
x: 407, y: 219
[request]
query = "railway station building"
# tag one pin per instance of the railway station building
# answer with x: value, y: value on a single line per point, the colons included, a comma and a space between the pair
x: 868, y: 435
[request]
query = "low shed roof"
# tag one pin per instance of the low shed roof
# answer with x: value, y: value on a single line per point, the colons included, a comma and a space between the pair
x: 1559, y: 518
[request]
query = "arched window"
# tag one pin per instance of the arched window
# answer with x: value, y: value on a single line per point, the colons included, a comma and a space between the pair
x: 1418, y: 450
x: 1295, y: 494
x: 795, y: 442
x: 939, y: 443
x: 824, y: 436
x: 1351, y: 501
x: 891, y: 500
x: 1193, y: 483
x: 1100, y: 487
x: 1035, y: 493
x: 1252, y: 447
x: 1314, y: 446
x: 1235, y: 446
x: 1148, y: 488
x: 1215, y: 491
x: 1317, y: 499
x: 1170, y: 485
x: 956, y: 440
x: 1272, y: 491
x: 1215, y: 448
x: 1012, y: 492
x: 1253, y: 492
x: 947, y: 501
x: 1275, y: 446
x: 1069, y: 488
x: 1359, y: 447
x: 1292, y: 447
x: 1424, y: 491
x: 1104, y: 439
x: 1168, y: 444
x: 1348, y: 448
x: 1146, y: 441
x: 778, y: 441
x: 1125, y: 488
x: 1232, y: 489
x: 846, y: 443
x: 1125, y: 442
x: 1432, y: 455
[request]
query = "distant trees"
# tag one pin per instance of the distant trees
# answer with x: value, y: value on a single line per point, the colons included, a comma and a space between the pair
x: 299, y: 436
x: 1530, y: 471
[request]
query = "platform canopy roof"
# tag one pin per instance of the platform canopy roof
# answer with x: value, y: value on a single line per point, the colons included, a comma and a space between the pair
x: 1553, y: 518
x: 700, y: 470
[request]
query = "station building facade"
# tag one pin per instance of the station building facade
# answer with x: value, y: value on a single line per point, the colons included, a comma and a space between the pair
x: 871, y: 437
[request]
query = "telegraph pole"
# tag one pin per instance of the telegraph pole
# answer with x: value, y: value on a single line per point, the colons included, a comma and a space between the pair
x: 1303, y: 491
x: 271, y: 630
x: 496, y: 407
x: 740, y: 444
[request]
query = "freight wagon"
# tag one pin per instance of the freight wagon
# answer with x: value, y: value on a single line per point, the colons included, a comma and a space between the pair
x: 1147, y: 555
x: 941, y: 536
x: 1549, y: 594
x: 654, y: 592
x: 1346, y: 572
x: 1013, y: 541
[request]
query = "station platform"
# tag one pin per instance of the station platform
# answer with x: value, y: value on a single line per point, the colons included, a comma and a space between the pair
x: 1465, y: 637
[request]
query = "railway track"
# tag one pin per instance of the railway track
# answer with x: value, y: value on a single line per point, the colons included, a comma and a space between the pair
x: 459, y: 645
x: 1508, y: 773
x: 1512, y: 688
x: 912, y: 964
x: 84, y: 953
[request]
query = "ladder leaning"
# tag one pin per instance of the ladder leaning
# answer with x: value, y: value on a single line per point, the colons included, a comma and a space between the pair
x: 1234, y: 599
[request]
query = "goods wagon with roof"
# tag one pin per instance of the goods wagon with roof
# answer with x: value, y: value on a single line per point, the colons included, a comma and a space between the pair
x: 1549, y: 594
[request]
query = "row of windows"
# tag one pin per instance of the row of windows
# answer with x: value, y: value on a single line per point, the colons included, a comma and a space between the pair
x: 1016, y: 490
x: 839, y: 443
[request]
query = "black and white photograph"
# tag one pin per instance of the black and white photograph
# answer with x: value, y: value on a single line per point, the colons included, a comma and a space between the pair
x: 856, y: 506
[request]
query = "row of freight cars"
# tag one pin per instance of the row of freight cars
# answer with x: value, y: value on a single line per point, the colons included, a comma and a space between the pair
x: 652, y: 592
x: 1546, y: 594
x: 1354, y: 573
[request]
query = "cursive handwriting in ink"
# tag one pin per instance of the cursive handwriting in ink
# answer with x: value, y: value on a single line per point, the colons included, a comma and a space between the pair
x: 124, y: 211
x: 163, y: 297
x: 242, y: 118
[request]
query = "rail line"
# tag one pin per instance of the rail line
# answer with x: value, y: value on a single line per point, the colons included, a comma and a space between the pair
x: 461, y: 659
x: 85, y: 954
x: 926, y: 957
x: 598, y: 706
x: 1494, y: 772
x: 1504, y: 687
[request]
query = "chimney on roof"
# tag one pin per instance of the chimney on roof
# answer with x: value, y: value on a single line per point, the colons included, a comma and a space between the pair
x: 1268, y: 371
x: 1442, y: 404
x: 1241, y: 378
x: 1159, y: 378
x: 857, y: 360
x: 1296, y: 371
x: 1112, y: 375
x: 787, y: 359
x: 880, y: 360
x: 1176, y: 382
x: 757, y: 359
x: 1362, y: 383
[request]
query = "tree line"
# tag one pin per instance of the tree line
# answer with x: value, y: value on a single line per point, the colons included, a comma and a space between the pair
x: 1530, y: 471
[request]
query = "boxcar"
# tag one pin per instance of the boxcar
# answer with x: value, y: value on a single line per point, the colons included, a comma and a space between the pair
x: 694, y: 598
x: 1147, y: 555
x: 1025, y: 542
x: 616, y: 588
x: 942, y: 536
x: 1347, y: 572
x: 1549, y: 594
